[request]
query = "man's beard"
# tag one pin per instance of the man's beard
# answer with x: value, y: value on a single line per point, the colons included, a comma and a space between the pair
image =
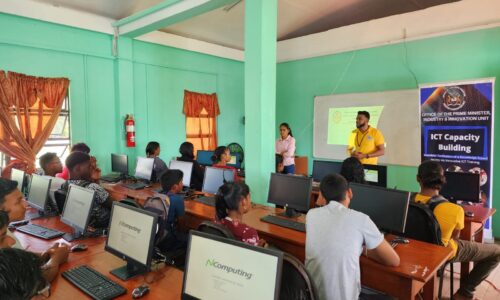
x: 360, y: 125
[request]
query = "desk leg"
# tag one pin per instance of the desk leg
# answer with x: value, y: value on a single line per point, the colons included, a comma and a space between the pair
x: 430, y: 288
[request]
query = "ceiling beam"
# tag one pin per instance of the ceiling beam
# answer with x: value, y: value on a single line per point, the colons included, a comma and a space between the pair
x: 164, y: 14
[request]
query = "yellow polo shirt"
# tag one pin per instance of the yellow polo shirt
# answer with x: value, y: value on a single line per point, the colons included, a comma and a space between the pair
x: 366, y: 143
x: 450, y: 218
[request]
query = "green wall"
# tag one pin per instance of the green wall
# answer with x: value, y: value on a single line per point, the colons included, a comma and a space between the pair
x: 462, y: 56
x: 147, y: 80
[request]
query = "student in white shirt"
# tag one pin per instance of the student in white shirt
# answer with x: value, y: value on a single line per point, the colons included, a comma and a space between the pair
x: 335, y: 239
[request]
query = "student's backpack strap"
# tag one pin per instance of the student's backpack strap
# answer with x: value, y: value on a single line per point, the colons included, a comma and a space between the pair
x: 160, y: 207
x: 435, y: 201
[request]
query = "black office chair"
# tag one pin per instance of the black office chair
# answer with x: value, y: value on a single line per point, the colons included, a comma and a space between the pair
x: 296, y: 282
x: 215, y: 229
x: 421, y: 225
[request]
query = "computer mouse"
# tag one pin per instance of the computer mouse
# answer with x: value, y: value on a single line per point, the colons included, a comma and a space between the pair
x: 79, y: 248
x: 469, y: 214
x: 140, y: 291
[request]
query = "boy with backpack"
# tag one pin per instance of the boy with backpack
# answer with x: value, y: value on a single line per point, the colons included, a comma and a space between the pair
x: 451, y: 220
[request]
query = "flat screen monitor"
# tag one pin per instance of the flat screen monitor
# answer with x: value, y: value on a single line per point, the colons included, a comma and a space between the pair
x: 18, y: 175
x: 131, y: 237
x: 376, y: 175
x: 204, y: 157
x: 292, y: 192
x: 144, y: 168
x: 223, y: 269
x: 235, y: 160
x: 38, y: 191
x: 322, y: 168
x: 119, y: 163
x: 387, y: 208
x: 462, y: 186
x: 76, y: 210
x: 185, y: 167
x: 215, y: 178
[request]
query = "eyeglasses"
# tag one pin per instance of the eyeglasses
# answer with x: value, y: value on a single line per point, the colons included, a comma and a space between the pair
x: 45, y: 292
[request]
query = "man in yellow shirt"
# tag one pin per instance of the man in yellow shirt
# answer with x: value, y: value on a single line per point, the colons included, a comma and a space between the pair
x: 451, y: 220
x: 366, y: 143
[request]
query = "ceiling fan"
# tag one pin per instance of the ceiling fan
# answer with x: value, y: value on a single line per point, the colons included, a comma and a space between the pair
x: 231, y: 6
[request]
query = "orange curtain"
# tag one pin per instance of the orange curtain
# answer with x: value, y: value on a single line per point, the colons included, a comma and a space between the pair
x: 29, y: 109
x: 201, y: 111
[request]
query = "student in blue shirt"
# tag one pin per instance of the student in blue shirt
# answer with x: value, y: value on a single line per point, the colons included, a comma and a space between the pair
x: 171, y: 183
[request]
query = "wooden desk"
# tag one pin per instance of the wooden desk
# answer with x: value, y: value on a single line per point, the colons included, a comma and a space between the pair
x: 403, y: 282
x: 167, y: 288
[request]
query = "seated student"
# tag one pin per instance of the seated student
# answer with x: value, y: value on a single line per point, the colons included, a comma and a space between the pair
x: 14, y: 164
x: 187, y: 154
x: 352, y: 170
x: 13, y: 203
x: 451, y: 220
x: 231, y: 203
x: 50, y: 164
x: 279, y: 163
x: 6, y: 240
x: 79, y: 166
x: 171, y: 181
x: 335, y: 239
x: 221, y: 157
x: 159, y: 166
x: 81, y: 147
x: 21, y: 276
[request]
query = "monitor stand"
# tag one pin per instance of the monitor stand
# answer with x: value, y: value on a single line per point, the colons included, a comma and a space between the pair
x: 129, y: 270
x: 69, y: 237
x: 289, y: 213
x: 38, y: 214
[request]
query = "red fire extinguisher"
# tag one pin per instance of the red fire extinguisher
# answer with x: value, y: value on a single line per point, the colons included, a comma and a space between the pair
x: 130, y: 130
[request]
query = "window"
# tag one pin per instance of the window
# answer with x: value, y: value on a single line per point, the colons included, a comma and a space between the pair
x: 201, y: 131
x: 58, y: 141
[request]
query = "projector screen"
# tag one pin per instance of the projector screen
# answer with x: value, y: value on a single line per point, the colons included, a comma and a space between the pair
x: 394, y: 113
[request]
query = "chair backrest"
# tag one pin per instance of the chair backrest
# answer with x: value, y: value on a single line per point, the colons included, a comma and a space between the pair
x: 215, y: 229
x: 421, y: 224
x: 296, y: 282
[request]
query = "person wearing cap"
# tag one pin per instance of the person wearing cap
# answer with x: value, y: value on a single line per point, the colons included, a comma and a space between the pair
x: 12, y: 202
x: 80, y: 169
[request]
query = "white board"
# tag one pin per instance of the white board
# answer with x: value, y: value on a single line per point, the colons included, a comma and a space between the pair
x: 399, y: 121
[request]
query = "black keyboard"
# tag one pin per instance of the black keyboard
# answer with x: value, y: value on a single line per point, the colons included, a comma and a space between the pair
x: 284, y: 223
x: 111, y: 178
x: 40, y: 231
x: 93, y: 283
x: 210, y: 201
x: 135, y: 185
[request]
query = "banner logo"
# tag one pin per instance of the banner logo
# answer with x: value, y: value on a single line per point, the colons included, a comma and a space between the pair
x: 454, y: 98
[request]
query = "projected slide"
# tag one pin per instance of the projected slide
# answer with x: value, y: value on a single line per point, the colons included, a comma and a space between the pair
x: 395, y: 113
x: 342, y: 121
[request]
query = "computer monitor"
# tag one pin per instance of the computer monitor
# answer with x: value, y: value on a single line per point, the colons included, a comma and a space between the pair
x: 18, y: 175
x: 144, y: 168
x: 235, y: 160
x: 292, y: 192
x: 220, y: 268
x: 215, y: 178
x: 462, y: 186
x: 322, y: 168
x: 185, y: 167
x: 131, y: 237
x: 376, y: 175
x: 204, y: 157
x: 119, y: 163
x: 386, y: 207
x: 76, y: 210
x: 38, y: 195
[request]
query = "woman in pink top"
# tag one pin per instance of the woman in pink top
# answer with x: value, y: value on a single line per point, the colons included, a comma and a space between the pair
x: 285, y: 146
x: 231, y: 203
